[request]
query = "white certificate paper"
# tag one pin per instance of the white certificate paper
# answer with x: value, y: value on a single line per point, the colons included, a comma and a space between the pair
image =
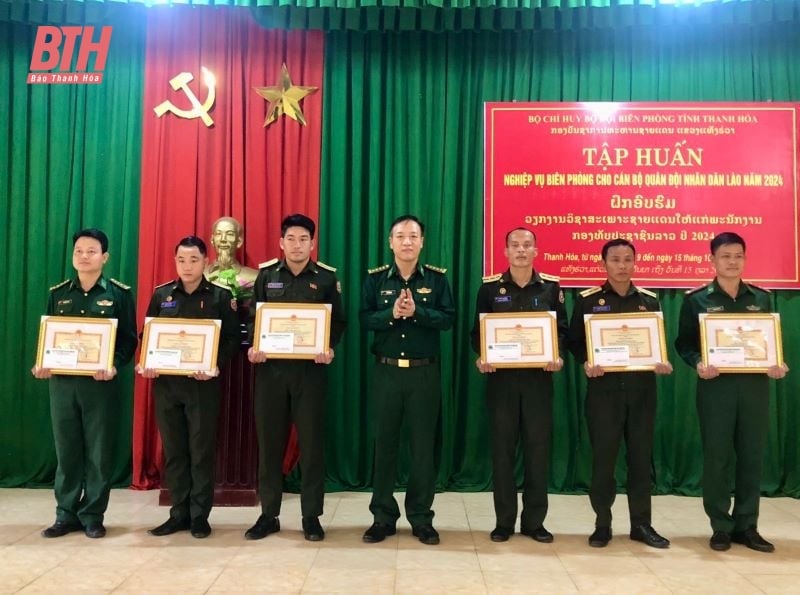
x: 503, y: 352
x: 612, y: 355
x: 164, y: 359
x: 65, y: 359
x: 277, y: 342
x: 726, y: 356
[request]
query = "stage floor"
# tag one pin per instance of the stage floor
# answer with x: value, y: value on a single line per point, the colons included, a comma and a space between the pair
x: 466, y: 561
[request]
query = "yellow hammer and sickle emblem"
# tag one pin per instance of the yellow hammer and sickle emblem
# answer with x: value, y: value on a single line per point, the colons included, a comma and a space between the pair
x: 181, y: 82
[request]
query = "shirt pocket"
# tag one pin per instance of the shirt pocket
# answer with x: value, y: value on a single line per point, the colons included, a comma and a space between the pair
x: 103, y: 307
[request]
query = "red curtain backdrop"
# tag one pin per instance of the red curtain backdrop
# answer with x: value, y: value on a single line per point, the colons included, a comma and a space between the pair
x: 193, y: 174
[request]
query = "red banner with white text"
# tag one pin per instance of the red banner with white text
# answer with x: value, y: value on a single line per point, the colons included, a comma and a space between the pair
x: 666, y: 176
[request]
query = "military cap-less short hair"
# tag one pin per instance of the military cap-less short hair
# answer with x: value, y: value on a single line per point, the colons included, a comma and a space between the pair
x: 298, y: 220
x: 94, y: 233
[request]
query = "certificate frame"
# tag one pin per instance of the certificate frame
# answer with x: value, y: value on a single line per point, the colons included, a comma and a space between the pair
x: 160, y: 333
x: 713, y: 327
x: 64, y: 332
x: 604, y: 330
x: 500, y: 325
x: 314, y: 320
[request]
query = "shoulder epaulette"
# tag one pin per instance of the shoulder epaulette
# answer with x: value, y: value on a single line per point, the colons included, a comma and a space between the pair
x: 436, y: 269
x: 269, y: 263
x: 695, y: 289
x: 590, y: 291
x: 120, y: 284
x: 652, y: 294
x: 164, y: 284
x: 379, y: 269
x: 552, y: 278
x: 221, y: 286
x: 62, y: 284
x: 493, y: 278
x: 765, y: 290
x: 327, y: 267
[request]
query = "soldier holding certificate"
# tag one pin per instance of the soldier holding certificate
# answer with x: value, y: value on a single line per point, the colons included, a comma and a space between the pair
x: 82, y: 407
x: 733, y: 407
x: 520, y: 400
x: 618, y: 404
x: 293, y: 390
x: 187, y: 406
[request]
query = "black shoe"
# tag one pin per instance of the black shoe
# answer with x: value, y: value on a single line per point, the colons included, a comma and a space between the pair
x: 720, y: 541
x: 751, y: 538
x: 95, y: 530
x: 169, y: 527
x: 647, y: 535
x: 312, y: 530
x: 541, y: 534
x: 378, y: 532
x: 426, y: 534
x: 265, y: 525
x: 600, y: 537
x: 61, y: 528
x: 501, y: 534
x: 200, y: 528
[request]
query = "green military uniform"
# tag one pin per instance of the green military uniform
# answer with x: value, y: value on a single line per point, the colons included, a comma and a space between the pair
x: 289, y: 391
x: 520, y: 401
x: 618, y: 404
x: 187, y: 409
x: 81, y: 408
x: 407, y: 384
x: 733, y: 412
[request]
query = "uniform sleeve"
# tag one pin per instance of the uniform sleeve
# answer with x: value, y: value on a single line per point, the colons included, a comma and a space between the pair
x: 338, y: 316
x: 51, y: 304
x: 259, y: 295
x: 127, y: 339
x: 562, y: 323
x: 441, y: 314
x: 230, y: 336
x: 688, y: 341
x: 369, y: 314
x: 576, y: 338
x: 481, y: 307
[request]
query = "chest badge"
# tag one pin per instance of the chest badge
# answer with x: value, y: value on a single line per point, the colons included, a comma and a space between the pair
x: 754, y: 308
x: 601, y: 301
x: 105, y: 303
x: 169, y: 298
x: 424, y: 290
x: 313, y: 286
x: 502, y: 291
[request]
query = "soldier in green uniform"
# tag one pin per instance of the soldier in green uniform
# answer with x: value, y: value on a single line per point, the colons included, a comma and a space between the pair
x: 732, y: 408
x: 407, y: 305
x: 520, y: 400
x: 187, y: 407
x: 293, y: 390
x: 619, y: 404
x: 82, y: 407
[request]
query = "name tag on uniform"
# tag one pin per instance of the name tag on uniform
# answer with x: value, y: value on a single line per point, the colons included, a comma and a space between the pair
x: 387, y: 291
x: 275, y: 285
x: 169, y: 305
x: 498, y: 299
x: 715, y: 309
x: 606, y: 308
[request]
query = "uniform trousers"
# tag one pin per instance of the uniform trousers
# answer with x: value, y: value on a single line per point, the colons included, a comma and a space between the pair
x: 84, y: 413
x: 733, y: 410
x: 187, y: 412
x: 291, y: 391
x: 520, y: 404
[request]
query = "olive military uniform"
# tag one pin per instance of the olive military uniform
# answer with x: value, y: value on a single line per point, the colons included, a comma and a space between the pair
x: 618, y: 404
x: 406, y: 384
x: 289, y: 391
x: 733, y: 412
x: 187, y: 409
x: 520, y: 401
x: 82, y: 408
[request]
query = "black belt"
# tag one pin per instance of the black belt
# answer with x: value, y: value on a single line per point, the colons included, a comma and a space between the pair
x: 406, y: 363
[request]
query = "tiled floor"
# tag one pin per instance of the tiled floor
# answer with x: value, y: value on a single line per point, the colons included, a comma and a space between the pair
x: 130, y: 560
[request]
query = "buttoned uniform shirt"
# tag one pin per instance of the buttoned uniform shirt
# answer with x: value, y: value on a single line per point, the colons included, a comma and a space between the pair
x: 415, y: 337
x: 500, y: 294
x: 208, y: 301
x: 108, y: 298
x: 604, y: 300
x: 315, y: 284
x: 710, y: 299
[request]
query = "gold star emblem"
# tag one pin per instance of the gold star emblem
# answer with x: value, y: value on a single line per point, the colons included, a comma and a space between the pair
x: 284, y: 98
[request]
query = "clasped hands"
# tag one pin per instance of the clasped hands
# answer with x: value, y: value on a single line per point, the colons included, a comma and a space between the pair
x: 404, y: 306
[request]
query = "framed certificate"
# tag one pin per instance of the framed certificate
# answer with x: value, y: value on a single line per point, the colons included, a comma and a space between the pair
x: 741, y: 342
x: 625, y: 342
x: 76, y: 345
x: 519, y: 340
x: 292, y: 331
x: 180, y: 346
